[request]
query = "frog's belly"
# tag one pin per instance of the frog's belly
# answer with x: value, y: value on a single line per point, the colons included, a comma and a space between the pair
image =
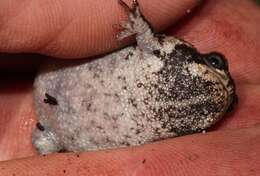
x: 105, y: 103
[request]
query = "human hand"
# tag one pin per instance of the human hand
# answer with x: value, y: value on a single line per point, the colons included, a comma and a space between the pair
x: 232, y: 149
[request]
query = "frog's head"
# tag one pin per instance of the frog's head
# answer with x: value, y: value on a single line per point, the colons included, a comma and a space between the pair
x: 218, y: 65
x: 213, y: 67
x: 203, y: 87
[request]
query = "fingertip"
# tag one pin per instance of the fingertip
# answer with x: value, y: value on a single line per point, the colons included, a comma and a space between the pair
x: 77, y: 29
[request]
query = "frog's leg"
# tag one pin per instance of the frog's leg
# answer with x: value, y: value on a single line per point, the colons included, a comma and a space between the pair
x: 146, y: 39
x: 44, y: 140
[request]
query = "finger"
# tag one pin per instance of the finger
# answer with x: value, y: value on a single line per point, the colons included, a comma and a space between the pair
x: 231, y: 28
x: 79, y: 28
x: 228, y: 152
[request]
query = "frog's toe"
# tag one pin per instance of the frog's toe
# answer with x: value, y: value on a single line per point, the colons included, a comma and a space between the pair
x: 45, y: 141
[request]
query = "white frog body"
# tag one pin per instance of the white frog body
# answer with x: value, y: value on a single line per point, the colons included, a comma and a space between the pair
x: 161, y: 88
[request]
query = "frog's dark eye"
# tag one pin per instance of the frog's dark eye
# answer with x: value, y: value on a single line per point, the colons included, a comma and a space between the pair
x: 216, y: 60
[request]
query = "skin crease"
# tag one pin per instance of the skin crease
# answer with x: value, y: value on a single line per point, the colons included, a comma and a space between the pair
x: 233, y: 148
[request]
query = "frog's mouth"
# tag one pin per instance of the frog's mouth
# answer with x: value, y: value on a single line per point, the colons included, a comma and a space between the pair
x: 227, y: 81
x: 233, y: 96
x: 233, y: 103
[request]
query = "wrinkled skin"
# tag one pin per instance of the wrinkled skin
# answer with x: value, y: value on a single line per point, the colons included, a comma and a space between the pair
x: 231, y: 27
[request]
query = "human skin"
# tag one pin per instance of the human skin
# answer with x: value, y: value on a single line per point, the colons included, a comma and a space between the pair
x: 232, y: 27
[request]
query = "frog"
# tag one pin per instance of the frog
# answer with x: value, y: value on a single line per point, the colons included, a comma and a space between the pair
x: 161, y: 87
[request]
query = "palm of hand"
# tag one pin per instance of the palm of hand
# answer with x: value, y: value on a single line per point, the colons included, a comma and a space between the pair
x: 235, y: 36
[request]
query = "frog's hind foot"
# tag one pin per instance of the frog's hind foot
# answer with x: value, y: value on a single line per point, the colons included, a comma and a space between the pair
x: 45, y: 141
x: 136, y: 23
x: 135, y: 5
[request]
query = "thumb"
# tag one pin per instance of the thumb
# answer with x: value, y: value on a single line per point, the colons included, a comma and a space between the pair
x: 79, y: 28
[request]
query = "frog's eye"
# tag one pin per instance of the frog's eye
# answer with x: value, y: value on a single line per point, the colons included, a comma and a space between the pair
x: 216, y: 60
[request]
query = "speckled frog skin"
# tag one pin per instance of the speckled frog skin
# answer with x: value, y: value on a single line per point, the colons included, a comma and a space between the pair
x: 160, y: 88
